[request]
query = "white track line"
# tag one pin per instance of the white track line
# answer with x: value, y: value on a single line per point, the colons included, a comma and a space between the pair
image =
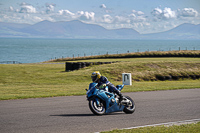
x: 166, y: 124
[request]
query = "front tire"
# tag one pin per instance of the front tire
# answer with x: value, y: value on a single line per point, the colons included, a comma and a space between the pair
x: 129, y: 109
x: 95, y: 108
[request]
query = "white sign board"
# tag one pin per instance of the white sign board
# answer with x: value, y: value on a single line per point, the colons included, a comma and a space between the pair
x: 126, y: 78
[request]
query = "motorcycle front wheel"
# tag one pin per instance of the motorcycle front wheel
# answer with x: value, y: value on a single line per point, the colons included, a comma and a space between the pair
x: 97, y: 106
x: 130, y: 108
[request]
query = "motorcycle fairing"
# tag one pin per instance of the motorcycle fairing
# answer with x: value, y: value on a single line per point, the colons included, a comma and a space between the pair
x: 115, y: 108
x: 110, y: 106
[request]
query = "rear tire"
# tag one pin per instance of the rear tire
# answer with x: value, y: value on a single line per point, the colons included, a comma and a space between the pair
x: 97, y: 110
x: 129, y: 109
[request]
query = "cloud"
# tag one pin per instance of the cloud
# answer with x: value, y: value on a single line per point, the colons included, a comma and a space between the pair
x: 26, y: 8
x: 107, y: 18
x: 66, y: 13
x: 137, y: 16
x: 123, y: 20
x: 50, y: 7
x: 103, y: 6
x: 168, y: 13
x: 139, y: 13
x: 85, y: 15
x: 11, y: 8
x: 156, y: 12
x: 187, y: 12
x: 165, y: 14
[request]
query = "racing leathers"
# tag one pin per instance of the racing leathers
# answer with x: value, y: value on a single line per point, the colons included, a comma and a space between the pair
x: 111, y: 88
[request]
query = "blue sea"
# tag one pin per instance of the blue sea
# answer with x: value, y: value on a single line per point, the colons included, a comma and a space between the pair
x: 39, y: 50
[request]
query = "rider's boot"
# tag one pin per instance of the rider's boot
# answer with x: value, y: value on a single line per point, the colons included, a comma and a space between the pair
x: 120, y: 95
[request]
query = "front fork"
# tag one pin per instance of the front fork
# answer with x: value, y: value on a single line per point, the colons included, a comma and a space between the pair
x: 97, y: 101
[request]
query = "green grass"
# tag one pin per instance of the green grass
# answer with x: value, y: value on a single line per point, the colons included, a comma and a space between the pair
x: 19, y: 81
x: 185, y: 128
x: 150, y: 68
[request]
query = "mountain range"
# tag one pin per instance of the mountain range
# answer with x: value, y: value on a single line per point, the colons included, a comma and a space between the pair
x: 78, y: 30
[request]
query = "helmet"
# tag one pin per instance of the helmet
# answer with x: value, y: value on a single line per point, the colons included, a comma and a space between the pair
x: 95, y: 76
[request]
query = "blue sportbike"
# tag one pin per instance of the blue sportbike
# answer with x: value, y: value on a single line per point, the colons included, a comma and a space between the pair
x: 102, y: 102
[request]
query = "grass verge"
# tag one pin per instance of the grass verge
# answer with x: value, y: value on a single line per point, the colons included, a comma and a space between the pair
x: 185, y: 128
x: 19, y: 81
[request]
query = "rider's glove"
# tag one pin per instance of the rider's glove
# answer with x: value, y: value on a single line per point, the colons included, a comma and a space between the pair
x: 102, y: 86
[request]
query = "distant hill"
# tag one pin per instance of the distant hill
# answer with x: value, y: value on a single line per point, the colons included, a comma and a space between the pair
x: 79, y: 30
x: 184, y: 31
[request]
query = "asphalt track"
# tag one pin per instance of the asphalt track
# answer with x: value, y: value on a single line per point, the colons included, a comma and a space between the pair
x: 72, y: 115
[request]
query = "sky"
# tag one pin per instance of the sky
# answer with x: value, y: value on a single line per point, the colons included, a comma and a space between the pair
x: 145, y: 16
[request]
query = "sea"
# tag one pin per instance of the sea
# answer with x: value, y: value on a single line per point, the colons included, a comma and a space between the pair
x: 29, y: 50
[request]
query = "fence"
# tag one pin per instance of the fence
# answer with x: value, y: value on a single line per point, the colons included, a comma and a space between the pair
x: 117, y: 52
x: 10, y: 62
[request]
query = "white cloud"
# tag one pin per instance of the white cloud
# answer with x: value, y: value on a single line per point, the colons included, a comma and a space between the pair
x: 136, y: 16
x: 165, y: 14
x: 107, y: 18
x: 188, y: 12
x: 26, y: 8
x: 66, y: 15
x: 11, y: 8
x: 85, y: 15
x: 121, y: 19
x: 103, y: 6
x: 168, y: 13
x: 139, y: 13
x: 50, y: 7
x: 66, y: 12
x: 156, y: 12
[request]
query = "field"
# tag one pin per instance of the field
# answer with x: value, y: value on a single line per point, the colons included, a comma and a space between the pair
x: 19, y: 81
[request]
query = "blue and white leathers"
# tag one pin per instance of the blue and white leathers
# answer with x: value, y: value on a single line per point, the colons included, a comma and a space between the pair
x: 102, y: 101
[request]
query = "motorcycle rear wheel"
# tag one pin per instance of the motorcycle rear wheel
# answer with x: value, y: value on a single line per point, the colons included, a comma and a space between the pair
x: 95, y: 108
x: 129, y: 109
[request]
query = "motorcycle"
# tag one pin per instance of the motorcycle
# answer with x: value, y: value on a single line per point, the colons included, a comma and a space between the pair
x: 103, y: 102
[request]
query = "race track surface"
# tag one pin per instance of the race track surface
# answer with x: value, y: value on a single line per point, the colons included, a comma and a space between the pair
x: 71, y: 114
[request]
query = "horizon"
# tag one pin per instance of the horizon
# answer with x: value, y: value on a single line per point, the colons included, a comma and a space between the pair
x: 143, y: 16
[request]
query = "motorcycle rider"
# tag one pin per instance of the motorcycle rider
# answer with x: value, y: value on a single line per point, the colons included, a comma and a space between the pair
x: 103, y: 81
